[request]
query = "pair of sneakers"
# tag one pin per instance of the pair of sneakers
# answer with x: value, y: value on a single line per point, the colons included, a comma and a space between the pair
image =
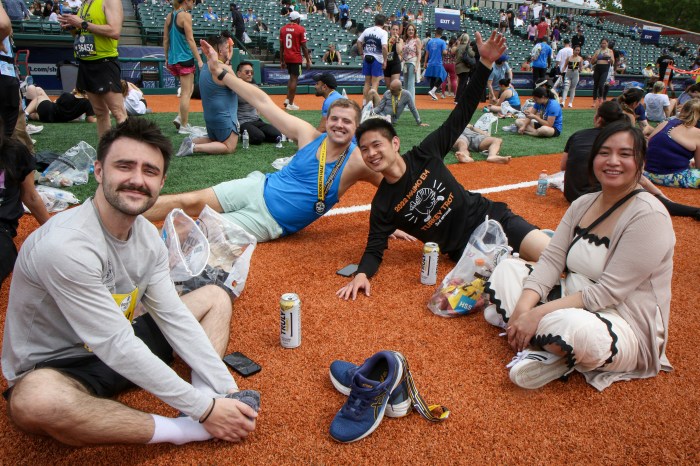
x: 289, y: 106
x: 376, y: 388
x: 182, y: 129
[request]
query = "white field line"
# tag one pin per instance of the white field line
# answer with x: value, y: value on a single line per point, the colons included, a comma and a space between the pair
x: 495, y: 189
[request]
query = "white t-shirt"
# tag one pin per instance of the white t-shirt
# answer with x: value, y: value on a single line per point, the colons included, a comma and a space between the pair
x: 74, y: 3
x: 655, y: 104
x: 373, y: 39
x: 133, y: 103
x: 562, y: 55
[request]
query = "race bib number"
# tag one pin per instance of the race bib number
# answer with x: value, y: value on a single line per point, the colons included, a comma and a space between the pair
x: 84, y: 46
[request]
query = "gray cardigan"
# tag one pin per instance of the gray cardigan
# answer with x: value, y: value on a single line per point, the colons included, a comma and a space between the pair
x: 636, y: 279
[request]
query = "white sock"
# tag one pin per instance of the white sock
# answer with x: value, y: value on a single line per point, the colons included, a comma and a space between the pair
x: 202, y: 386
x: 178, y: 430
x: 433, y: 89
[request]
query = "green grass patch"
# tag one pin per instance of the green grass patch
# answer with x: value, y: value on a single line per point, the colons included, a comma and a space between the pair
x: 200, y: 171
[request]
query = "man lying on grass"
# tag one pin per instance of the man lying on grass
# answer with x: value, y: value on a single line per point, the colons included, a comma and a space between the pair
x: 421, y: 196
x: 282, y: 203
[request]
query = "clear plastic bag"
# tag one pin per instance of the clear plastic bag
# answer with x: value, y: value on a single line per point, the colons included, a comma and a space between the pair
x: 71, y: 168
x: 231, y: 248
x: 461, y: 291
x: 188, y: 248
x: 56, y: 199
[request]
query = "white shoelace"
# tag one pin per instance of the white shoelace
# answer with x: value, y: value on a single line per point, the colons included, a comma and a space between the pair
x: 517, y: 358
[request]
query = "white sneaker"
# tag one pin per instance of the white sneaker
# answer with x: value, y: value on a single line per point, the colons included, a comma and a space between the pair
x: 493, y: 317
x: 570, y: 105
x: 185, y: 129
x: 34, y: 129
x: 510, y: 129
x: 533, y: 369
x: 177, y: 122
x: 292, y: 107
x: 432, y: 94
x: 186, y: 148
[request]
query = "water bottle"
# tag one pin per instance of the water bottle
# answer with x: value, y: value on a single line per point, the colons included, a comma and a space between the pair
x: 542, y: 184
x: 246, y: 139
x: 279, y: 142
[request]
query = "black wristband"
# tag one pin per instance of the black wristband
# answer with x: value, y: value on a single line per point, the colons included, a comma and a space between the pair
x: 222, y: 74
x: 213, y: 404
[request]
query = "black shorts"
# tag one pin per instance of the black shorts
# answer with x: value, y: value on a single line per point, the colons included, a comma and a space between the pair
x: 45, y: 110
x: 515, y: 227
x: 99, y: 378
x: 294, y: 69
x: 538, y: 125
x: 99, y: 76
x: 392, y: 68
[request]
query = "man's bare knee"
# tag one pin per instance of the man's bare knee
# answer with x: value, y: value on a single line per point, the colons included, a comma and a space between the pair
x: 41, y: 398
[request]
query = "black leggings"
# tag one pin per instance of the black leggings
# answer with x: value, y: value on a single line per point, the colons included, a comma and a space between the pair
x: 463, y: 80
x: 600, y: 76
x: 9, y: 103
x: 680, y: 210
x: 435, y: 82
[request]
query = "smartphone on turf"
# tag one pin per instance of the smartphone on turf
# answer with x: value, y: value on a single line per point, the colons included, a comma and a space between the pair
x: 348, y: 270
x: 242, y: 364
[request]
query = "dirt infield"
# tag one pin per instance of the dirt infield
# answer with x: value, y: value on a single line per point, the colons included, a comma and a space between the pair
x: 169, y: 103
x: 456, y: 362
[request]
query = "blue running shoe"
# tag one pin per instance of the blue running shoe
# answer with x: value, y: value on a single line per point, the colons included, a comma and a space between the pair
x: 399, y: 405
x: 370, y: 388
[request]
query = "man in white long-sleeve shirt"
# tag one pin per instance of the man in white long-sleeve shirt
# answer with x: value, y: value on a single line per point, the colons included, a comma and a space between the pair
x: 69, y: 340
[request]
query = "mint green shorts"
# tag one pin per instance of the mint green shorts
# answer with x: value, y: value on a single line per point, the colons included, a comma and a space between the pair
x: 244, y: 204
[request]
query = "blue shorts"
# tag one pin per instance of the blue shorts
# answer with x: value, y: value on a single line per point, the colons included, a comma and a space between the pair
x: 220, y: 134
x: 372, y: 69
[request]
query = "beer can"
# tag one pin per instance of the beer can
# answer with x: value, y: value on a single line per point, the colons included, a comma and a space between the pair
x: 290, y: 320
x: 428, y: 271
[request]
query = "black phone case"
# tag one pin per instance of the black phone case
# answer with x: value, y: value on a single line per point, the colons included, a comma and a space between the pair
x: 241, y: 364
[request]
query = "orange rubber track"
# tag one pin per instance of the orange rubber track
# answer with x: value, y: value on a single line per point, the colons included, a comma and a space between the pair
x: 459, y: 363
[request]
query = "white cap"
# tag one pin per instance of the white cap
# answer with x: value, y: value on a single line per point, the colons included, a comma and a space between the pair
x: 294, y: 15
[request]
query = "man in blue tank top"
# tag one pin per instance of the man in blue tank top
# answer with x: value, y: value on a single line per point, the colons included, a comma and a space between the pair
x: 282, y: 203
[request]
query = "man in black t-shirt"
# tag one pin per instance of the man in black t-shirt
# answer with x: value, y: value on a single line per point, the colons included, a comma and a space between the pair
x: 421, y: 196
x: 662, y: 63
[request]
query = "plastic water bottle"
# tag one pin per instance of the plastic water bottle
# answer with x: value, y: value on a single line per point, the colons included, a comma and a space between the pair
x: 542, y: 184
x: 246, y: 139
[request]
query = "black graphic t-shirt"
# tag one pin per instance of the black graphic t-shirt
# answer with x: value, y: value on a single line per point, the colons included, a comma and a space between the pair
x: 428, y: 202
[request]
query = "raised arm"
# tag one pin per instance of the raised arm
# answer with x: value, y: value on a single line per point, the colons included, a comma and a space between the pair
x: 445, y: 136
x: 291, y: 126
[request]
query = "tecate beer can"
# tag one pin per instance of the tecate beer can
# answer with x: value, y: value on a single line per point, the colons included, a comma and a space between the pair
x: 428, y: 270
x: 290, y: 320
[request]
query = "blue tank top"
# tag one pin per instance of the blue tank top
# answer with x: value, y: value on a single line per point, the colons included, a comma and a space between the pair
x: 290, y: 194
x: 220, y: 104
x: 664, y: 154
x: 178, y: 50
x: 514, y: 100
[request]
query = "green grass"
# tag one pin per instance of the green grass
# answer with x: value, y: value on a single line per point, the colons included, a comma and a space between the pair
x: 200, y: 171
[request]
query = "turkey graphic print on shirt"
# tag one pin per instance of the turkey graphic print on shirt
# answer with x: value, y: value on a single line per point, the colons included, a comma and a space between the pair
x: 428, y: 203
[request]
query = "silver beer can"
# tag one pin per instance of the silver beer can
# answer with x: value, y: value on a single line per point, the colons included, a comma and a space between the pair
x: 428, y: 271
x: 290, y: 320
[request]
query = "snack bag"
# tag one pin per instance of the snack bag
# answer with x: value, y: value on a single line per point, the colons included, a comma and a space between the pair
x: 188, y: 248
x: 461, y: 291
x: 71, y: 168
x: 231, y: 248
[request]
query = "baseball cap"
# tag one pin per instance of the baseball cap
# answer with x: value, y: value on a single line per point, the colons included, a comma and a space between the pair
x: 294, y: 15
x: 326, y: 78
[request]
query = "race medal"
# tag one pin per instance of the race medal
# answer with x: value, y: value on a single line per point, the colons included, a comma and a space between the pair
x: 320, y: 208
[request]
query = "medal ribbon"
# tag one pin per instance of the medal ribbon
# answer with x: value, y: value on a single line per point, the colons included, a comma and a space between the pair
x: 395, y: 101
x: 324, y: 188
x: 433, y: 413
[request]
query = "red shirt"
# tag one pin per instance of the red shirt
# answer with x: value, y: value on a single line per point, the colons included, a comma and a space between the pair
x: 542, y: 29
x: 292, y: 35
